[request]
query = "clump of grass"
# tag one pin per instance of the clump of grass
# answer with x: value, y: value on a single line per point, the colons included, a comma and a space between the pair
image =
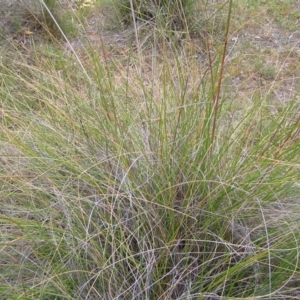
x: 162, y: 19
x: 49, y: 16
x: 117, y: 188
x: 175, y: 13
x: 171, y: 21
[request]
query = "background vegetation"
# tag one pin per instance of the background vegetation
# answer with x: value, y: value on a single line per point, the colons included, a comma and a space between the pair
x: 149, y: 164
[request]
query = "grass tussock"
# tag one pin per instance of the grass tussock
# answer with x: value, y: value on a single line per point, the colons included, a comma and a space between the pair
x: 145, y: 180
x: 49, y: 19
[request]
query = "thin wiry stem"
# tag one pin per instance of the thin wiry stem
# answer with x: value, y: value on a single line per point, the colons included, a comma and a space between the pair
x: 218, y: 96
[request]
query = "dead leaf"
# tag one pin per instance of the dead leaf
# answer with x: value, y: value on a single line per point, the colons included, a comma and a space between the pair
x: 27, y: 32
